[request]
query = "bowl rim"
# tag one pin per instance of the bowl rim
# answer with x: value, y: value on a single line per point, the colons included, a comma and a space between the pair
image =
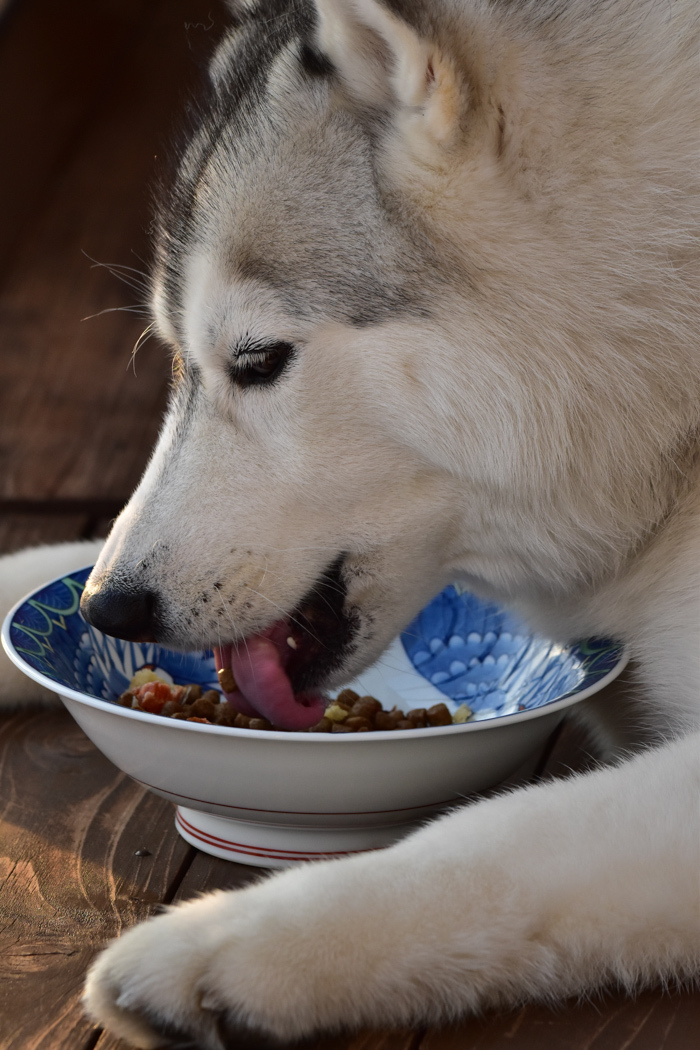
x: 284, y: 735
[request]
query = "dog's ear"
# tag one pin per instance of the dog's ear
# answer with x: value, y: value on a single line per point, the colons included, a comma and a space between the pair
x: 384, y: 64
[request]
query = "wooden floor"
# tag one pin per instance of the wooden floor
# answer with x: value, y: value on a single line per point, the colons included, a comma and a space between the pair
x: 88, y: 92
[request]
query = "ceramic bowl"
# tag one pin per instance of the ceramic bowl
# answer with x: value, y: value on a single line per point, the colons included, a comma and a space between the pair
x: 273, y: 798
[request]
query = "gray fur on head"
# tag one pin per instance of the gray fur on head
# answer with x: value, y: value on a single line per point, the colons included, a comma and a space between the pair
x: 476, y: 224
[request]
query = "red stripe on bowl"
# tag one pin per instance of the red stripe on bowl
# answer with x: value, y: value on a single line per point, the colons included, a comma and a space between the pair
x: 261, y: 851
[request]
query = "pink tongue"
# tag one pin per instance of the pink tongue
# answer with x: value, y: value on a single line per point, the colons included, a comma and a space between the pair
x: 222, y: 658
x: 264, y: 686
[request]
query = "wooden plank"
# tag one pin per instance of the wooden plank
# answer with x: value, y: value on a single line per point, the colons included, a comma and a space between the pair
x: 207, y: 873
x: 30, y: 530
x: 75, y: 421
x: 49, y: 523
x: 71, y: 824
x: 401, y: 1039
x: 653, y: 1021
x: 397, y: 1040
x: 388, y: 1040
x: 49, y: 61
x: 70, y: 878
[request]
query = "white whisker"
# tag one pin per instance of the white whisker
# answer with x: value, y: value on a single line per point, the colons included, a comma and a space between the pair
x: 143, y: 338
x: 236, y: 631
x: 142, y: 311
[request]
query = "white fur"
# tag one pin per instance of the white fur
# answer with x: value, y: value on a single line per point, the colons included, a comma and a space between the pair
x: 534, y: 433
x: 548, y: 891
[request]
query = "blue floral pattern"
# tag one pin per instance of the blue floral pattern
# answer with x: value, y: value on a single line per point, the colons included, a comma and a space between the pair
x: 51, y: 635
x: 474, y: 652
x: 468, y: 649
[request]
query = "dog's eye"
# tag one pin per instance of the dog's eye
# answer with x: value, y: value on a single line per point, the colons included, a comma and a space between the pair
x: 256, y: 366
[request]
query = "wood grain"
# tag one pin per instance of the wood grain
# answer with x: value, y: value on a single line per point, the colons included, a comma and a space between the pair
x: 89, y: 90
x: 70, y: 826
x: 652, y: 1021
x: 40, y: 522
x: 49, y: 61
x: 30, y: 530
x: 396, y: 1040
x: 97, y: 420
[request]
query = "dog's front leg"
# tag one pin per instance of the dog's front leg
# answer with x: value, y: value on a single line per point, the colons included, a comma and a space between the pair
x: 550, y: 890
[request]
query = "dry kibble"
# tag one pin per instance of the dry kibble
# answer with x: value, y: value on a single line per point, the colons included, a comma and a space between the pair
x: 324, y: 726
x: 226, y: 680
x: 418, y: 717
x: 348, y: 713
x: 259, y: 723
x: 347, y: 696
x: 191, y: 693
x: 356, y: 723
x: 202, y: 708
x: 439, y: 715
x: 224, y: 715
x: 170, y: 708
x: 363, y: 709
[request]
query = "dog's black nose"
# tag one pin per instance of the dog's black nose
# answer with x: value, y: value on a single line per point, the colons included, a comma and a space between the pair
x: 129, y: 614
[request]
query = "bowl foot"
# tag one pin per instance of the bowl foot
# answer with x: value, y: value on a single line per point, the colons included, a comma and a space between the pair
x: 274, y: 846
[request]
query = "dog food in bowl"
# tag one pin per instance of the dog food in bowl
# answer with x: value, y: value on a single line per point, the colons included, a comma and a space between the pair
x: 274, y: 798
x: 348, y: 713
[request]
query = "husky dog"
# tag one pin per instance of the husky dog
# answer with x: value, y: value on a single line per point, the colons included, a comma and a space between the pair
x: 430, y: 270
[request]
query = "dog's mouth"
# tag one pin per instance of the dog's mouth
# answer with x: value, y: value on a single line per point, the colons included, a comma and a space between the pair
x: 279, y: 672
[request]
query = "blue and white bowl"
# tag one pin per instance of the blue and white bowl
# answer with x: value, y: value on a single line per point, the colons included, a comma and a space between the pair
x: 274, y: 798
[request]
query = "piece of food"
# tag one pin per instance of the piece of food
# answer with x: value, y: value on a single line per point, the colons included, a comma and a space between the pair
x: 439, y: 715
x: 264, y: 690
x: 226, y: 680
x: 462, y: 714
x: 348, y: 713
x: 337, y: 712
x: 143, y: 676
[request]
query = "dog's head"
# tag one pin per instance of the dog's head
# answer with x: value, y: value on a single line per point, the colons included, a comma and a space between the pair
x: 378, y: 376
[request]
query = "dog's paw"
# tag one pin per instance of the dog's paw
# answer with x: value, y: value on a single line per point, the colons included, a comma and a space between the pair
x: 275, y: 962
x: 158, y: 984
x: 343, y: 944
